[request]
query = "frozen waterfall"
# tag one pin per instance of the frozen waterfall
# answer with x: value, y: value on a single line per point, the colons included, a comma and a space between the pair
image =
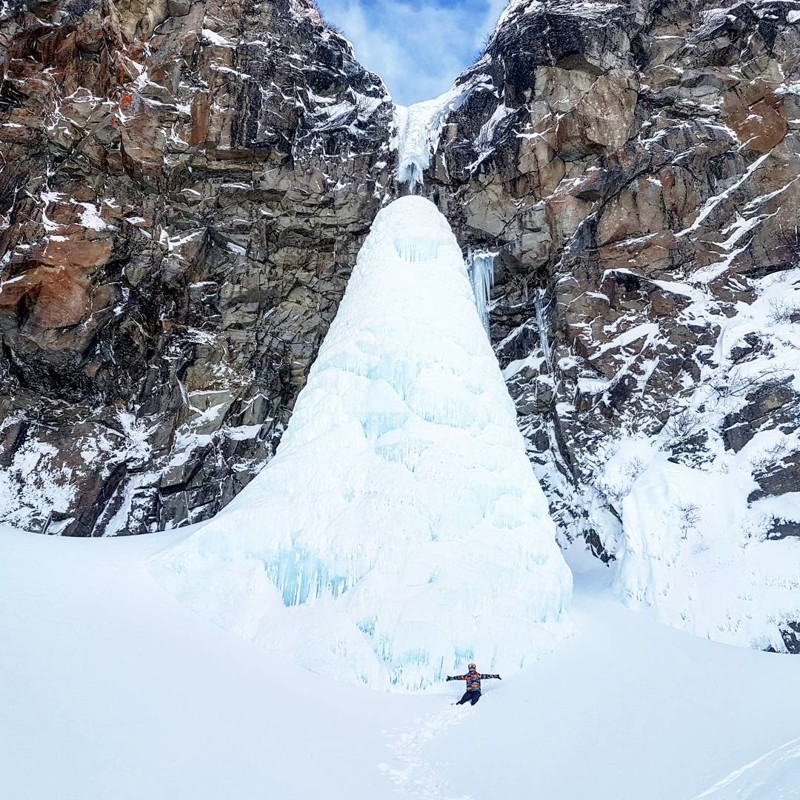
x: 418, y: 129
x: 399, y: 531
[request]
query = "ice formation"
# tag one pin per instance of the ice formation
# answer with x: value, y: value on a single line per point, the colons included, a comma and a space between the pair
x: 399, y: 531
x: 481, y: 274
x: 418, y: 129
x: 692, y: 552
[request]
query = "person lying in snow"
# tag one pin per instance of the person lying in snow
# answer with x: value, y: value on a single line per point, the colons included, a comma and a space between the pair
x: 473, y: 679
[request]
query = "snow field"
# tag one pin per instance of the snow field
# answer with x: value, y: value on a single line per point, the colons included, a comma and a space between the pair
x: 631, y: 710
x: 399, y: 531
x: 112, y: 690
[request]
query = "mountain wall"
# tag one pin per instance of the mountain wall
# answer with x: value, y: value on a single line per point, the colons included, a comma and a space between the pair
x: 637, y: 167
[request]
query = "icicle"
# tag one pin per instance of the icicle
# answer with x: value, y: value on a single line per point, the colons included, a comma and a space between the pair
x: 480, y: 264
x: 417, y: 247
x: 410, y: 174
x: 541, y: 322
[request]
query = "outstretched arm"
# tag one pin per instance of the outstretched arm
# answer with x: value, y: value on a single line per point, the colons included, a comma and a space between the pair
x: 484, y: 677
x: 456, y: 677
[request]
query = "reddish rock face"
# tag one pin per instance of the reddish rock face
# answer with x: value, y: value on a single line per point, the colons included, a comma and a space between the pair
x: 58, y: 296
x: 756, y: 115
x: 201, y: 117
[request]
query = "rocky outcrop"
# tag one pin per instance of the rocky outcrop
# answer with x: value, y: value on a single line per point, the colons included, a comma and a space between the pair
x: 184, y: 187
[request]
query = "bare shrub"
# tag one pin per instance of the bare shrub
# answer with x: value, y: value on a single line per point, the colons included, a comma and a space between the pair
x: 688, y: 517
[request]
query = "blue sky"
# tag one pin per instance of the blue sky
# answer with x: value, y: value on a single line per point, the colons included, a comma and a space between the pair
x: 418, y: 48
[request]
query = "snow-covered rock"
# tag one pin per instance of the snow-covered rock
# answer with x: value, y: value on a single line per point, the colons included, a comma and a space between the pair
x: 636, y: 169
x: 184, y: 190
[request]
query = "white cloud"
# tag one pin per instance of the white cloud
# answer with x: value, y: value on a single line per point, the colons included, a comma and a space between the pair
x: 418, y: 49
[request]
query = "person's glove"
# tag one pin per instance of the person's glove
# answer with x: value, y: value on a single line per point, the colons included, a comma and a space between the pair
x: 499, y: 678
x: 450, y: 677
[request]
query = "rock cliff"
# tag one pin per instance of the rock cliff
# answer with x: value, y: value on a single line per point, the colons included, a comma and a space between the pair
x: 184, y: 188
x: 636, y: 166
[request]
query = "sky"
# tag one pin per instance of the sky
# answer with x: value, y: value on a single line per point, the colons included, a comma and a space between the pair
x: 418, y: 48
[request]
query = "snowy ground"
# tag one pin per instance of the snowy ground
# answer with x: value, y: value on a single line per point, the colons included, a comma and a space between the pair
x: 111, y: 689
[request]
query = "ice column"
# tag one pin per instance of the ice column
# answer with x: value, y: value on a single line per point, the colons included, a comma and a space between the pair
x: 399, y: 531
x: 481, y: 273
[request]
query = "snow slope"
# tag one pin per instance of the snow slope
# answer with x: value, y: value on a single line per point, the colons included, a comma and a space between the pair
x: 112, y: 690
x: 399, y: 530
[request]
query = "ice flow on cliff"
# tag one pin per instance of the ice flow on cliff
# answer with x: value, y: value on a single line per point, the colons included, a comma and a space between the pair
x: 399, y: 531
x: 417, y: 130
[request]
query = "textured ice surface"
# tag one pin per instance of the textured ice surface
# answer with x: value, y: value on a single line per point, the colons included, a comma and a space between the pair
x: 399, y: 531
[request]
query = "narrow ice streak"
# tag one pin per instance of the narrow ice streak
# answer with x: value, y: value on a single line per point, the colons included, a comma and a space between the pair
x: 399, y: 531
x: 480, y: 265
x: 541, y: 322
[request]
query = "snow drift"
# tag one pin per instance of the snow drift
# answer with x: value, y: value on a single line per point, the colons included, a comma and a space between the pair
x: 399, y: 531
